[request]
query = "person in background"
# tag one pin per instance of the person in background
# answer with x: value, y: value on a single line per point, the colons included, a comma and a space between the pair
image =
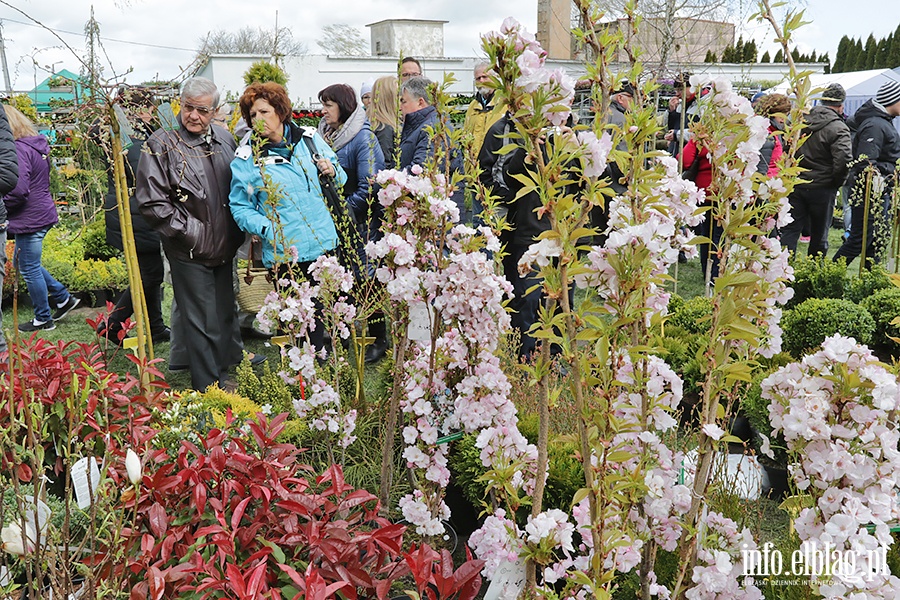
x: 182, y: 190
x: 684, y: 109
x: 416, y: 145
x: 9, y: 176
x: 482, y: 113
x: 876, y: 144
x: 31, y: 213
x: 483, y: 110
x: 383, y: 117
x: 709, y: 257
x: 138, y: 103
x: 346, y: 128
x: 825, y: 156
x: 296, y: 228
x: 365, y: 94
x: 774, y: 107
x: 410, y: 67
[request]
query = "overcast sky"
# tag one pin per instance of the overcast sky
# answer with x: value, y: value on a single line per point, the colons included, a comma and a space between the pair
x: 156, y: 38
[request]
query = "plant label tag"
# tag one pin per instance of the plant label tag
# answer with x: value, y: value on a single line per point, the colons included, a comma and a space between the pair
x: 508, y: 581
x: 167, y: 117
x: 125, y: 130
x: 419, y: 322
x: 85, y: 488
x: 36, y: 513
x: 5, y: 579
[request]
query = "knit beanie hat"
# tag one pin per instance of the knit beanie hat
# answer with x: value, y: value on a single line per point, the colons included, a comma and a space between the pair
x: 834, y: 94
x: 365, y: 88
x: 888, y: 93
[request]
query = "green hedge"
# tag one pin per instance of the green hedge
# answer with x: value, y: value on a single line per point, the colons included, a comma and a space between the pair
x: 884, y: 306
x: 807, y: 325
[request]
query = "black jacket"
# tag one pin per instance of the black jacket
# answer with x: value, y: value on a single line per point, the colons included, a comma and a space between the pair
x: 9, y: 163
x: 146, y: 240
x: 827, y: 151
x: 876, y: 138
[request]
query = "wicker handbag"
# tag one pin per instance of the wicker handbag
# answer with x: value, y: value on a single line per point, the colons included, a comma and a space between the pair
x: 254, y: 286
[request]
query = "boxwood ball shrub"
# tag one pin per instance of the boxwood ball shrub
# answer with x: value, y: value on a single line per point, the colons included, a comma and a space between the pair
x: 862, y: 286
x: 693, y: 315
x: 884, y: 306
x: 565, y: 474
x: 809, y: 323
x: 817, y: 277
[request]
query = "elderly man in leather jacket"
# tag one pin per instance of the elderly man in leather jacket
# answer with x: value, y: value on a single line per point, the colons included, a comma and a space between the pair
x: 182, y: 190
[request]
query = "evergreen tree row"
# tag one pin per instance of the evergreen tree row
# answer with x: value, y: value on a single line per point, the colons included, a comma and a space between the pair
x: 745, y: 52
x: 852, y: 55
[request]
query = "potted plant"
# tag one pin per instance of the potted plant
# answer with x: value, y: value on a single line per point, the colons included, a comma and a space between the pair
x: 61, y: 84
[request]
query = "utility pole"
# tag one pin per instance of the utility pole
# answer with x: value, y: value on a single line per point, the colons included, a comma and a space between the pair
x: 6, y: 83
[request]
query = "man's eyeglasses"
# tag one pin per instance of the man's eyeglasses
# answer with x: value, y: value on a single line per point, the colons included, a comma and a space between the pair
x: 408, y: 75
x: 203, y: 111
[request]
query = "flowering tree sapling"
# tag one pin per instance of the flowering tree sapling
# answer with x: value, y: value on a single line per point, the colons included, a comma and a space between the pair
x: 631, y: 504
x: 448, y: 377
x: 837, y: 409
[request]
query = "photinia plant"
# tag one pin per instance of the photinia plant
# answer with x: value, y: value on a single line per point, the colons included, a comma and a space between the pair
x: 239, y: 517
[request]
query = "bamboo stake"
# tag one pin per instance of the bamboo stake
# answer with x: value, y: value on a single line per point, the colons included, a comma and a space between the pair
x: 144, y: 349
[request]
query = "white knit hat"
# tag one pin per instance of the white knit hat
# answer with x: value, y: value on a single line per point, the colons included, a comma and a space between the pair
x: 888, y: 93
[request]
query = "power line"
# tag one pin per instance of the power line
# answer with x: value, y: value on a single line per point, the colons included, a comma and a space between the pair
x: 104, y: 38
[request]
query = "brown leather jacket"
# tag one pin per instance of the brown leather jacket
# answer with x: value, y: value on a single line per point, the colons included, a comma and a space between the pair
x: 182, y: 189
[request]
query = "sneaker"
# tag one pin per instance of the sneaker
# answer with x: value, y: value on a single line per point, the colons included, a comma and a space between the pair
x: 35, y: 326
x: 66, y: 308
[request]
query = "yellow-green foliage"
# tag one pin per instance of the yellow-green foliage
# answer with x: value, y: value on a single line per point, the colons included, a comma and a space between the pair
x: 94, y: 274
x: 62, y: 250
x: 25, y: 105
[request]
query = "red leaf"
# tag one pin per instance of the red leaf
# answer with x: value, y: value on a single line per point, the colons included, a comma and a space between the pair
x: 200, y: 499
x: 157, y: 583
x: 296, y: 577
x: 236, y: 579
x: 139, y: 591
x: 256, y: 578
x: 23, y: 472
x: 239, y: 513
x: 158, y: 520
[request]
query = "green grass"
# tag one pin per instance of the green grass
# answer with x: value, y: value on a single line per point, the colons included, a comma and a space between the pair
x: 75, y: 327
x: 689, y: 278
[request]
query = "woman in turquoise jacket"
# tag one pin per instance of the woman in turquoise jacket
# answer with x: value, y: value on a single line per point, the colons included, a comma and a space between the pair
x: 295, y: 227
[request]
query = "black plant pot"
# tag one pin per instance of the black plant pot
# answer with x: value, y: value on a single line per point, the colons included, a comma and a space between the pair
x: 779, y: 487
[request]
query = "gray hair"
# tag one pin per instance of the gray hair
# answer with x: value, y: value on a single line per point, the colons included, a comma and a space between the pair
x: 484, y: 64
x: 417, y: 87
x: 199, y: 86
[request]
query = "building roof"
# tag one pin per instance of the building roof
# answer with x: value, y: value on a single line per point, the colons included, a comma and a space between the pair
x: 406, y: 21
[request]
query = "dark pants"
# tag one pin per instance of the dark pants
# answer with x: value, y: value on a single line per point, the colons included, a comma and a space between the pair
x: 877, y: 224
x: 150, y: 265
x: 809, y: 205
x: 208, y: 320
x: 525, y: 307
x: 709, y: 257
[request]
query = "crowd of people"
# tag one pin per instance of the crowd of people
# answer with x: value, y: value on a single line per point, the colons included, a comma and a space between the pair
x: 201, y: 190
x: 838, y: 152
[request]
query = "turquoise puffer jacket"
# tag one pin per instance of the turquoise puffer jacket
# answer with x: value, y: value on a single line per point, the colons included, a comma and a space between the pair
x: 301, y: 218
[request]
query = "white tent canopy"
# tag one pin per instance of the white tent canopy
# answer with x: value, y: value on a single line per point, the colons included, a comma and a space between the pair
x: 859, y: 85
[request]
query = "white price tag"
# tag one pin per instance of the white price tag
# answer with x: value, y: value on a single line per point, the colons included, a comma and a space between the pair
x: 508, y: 581
x: 419, y: 322
x: 84, y: 488
x: 43, y: 514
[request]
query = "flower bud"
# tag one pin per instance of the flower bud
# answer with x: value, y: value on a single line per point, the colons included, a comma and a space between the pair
x: 133, y: 466
x: 16, y: 543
